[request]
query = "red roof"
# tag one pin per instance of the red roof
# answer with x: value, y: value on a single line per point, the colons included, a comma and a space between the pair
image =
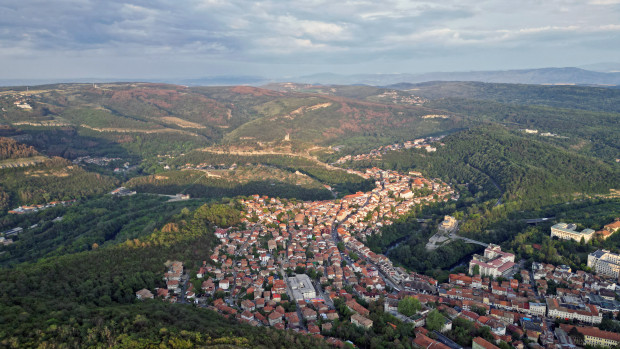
x: 425, y: 342
x: 483, y: 343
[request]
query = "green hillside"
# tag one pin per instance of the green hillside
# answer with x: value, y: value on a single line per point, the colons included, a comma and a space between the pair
x: 241, y: 181
x: 51, y: 180
x: 571, y: 97
x: 526, y: 169
x: 593, y: 133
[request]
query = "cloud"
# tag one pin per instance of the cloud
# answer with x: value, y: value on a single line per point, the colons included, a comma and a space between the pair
x: 605, y: 2
x: 267, y: 33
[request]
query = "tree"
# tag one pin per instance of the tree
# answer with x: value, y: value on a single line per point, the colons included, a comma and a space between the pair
x: 476, y: 270
x: 577, y: 336
x: 408, y: 306
x: 479, y: 310
x: 434, y: 321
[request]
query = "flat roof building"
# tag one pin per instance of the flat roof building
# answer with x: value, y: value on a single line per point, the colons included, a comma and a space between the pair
x: 302, y: 287
x: 603, y: 262
x: 567, y: 231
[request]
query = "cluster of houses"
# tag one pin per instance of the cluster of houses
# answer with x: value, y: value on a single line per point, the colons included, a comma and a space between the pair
x: 420, y: 143
x: 249, y: 275
x: 514, y: 310
x: 122, y: 191
x: 295, y: 259
x: 22, y: 104
x: 400, y: 98
x: 100, y: 161
x: 36, y: 208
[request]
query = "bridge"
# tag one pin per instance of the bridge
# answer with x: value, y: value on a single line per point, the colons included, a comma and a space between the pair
x: 469, y: 241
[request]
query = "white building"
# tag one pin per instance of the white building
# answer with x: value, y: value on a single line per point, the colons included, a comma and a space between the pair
x: 604, y: 262
x: 567, y: 232
x: 494, y: 263
x: 302, y: 287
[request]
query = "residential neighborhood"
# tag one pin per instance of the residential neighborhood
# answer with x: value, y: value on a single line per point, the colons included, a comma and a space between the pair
x: 297, y: 265
x: 420, y: 143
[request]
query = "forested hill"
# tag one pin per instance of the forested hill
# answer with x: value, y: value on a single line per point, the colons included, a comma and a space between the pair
x: 11, y: 149
x: 572, y: 97
x: 526, y: 169
x: 143, y: 119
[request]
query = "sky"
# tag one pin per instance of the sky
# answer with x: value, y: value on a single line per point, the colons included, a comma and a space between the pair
x: 200, y: 38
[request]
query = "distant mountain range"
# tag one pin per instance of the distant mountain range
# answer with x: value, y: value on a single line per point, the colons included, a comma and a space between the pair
x: 557, y: 76
x: 606, y: 67
x: 595, y: 74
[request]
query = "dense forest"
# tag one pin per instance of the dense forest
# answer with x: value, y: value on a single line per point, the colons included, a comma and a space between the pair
x: 525, y: 170
x: 200, y: 185
x: 10, y: 149
x: 85, y: 225
x: 503, y: 177
x: 588, y: 132
x: 573, y: 97
x: 54, y: 179
x: 340, y: 180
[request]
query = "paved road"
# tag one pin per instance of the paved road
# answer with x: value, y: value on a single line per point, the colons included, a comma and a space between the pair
x: 537, y: 220
x: 388, y: 280
x: 319, y: 290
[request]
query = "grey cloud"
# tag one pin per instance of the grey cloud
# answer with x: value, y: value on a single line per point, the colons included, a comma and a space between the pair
x: 320, y: 33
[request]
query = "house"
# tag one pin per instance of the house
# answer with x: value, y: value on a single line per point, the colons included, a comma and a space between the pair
x: 144, y: 294
x: 356, y: 307
x: 274, y: 318
x: 172, y: 285
x: 224, y: 284
x: 248, y: 316
x: 481, y: 343
x: 163, y: 293
x: 292, y: 319
x: 423, y: 341
x: 494, y: 262
x: 208, y: 286
x: 308, y: 314
x: 605, y: 263
x: 314, y: 329
x: 248, y: 305
x: 331, y: 315
x: 357, y: 319
x: 568, y: 231
x: 279, y: 286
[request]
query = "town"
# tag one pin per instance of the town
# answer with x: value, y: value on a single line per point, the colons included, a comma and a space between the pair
x: 420, y: 143
x: 297, y: 265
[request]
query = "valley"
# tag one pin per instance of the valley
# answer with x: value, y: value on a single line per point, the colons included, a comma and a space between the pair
x: 345, y: 185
